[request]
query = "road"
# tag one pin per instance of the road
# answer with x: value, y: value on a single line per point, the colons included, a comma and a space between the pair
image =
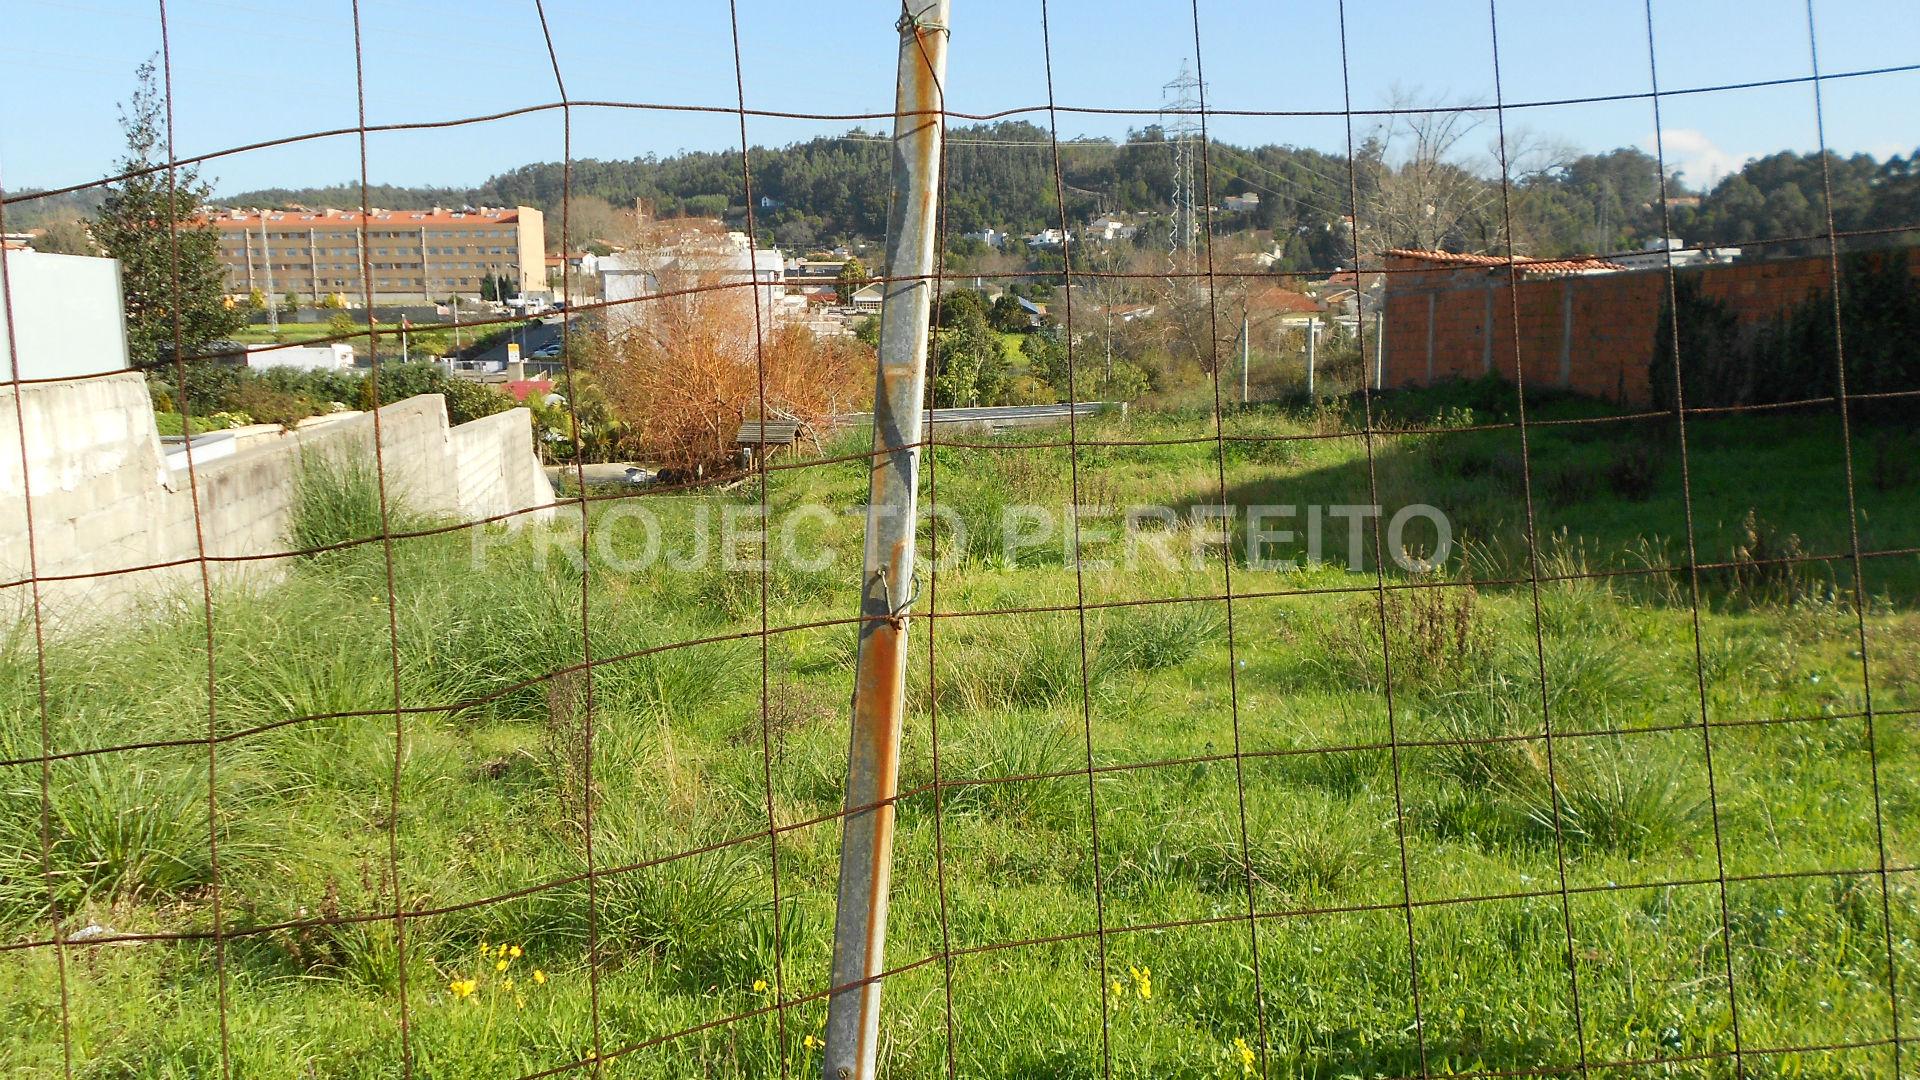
x: 531, y: 337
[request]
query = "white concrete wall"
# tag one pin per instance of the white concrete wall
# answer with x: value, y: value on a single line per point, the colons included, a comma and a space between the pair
x: 105, y: 500
x: 66, y: 316
x: 336, y: 356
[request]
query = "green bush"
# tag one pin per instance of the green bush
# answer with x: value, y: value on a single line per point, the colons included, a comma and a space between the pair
x: 1796, y: 355
x: 466, y: 400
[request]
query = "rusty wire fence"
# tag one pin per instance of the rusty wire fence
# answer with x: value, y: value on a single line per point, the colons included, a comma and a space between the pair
x: 1310, y: 840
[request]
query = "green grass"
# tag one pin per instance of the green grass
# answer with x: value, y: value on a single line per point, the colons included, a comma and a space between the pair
x: 289, y: 333
x: 493, y: 797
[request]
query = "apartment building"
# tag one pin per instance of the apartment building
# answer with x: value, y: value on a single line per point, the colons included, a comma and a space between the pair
x: 414, y: 255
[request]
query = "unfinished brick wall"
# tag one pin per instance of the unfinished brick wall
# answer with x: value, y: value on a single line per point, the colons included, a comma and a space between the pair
x: 1591, y: 333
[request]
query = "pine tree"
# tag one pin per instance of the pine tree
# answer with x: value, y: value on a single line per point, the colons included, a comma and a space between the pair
x: 170, y: 274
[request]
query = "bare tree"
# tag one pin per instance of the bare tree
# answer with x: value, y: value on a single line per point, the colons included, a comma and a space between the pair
x: 1418, y: 189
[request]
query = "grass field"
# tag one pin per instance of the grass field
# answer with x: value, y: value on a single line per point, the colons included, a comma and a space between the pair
x: 1386, y: 829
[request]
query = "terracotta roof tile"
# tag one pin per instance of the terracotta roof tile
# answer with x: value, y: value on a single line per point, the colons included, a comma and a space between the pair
x: 1584, y: 264
x: 236, y: 219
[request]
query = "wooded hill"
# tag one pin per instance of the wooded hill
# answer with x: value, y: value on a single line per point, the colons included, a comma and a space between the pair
x: 1001, y: 175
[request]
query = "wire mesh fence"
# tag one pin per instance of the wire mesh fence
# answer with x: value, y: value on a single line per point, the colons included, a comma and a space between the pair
x: 1467, y: 728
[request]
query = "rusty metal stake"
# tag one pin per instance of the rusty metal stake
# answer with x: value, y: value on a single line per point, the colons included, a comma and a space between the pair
x: 886, y: 592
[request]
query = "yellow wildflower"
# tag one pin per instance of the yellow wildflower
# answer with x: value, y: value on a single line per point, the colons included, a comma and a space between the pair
x: 1245, y: 1055
x: 1143, y: 981
x: 811, y: 1043
x: 501, y: 951
x: 759, y: 986
x: 514, y: 951
x: 462, y: 988
x: 499, y: 965
x: 539, y: 977
x: 507, y: 983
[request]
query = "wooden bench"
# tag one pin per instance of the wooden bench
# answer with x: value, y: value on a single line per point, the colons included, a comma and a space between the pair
x: 765, y: 436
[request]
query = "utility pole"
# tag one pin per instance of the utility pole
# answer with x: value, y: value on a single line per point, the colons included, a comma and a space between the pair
x: 1246, y: 356
x: 887, y: 581
x: 1313, y: 335
x: 266, y: 256
x: 1109, y: 343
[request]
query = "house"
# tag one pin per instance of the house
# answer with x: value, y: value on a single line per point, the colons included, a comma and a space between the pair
x: 1107, y: 228
x: 991, y: 237
x: 1659, y: 253
x: 578, y: 262
x: 1350, y: 292
x: 869, y: 296
x: 1048, y: 238
x: 1262, y: 260
x: 693, y: 261
x: 1243, y: 203
x: 1036, y: 313
x: 814, y: 278
x: 1283, y: 305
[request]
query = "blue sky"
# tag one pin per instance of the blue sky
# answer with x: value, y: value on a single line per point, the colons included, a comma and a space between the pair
x: 247, y: 71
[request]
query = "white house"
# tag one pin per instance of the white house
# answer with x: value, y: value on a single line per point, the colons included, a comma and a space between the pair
x: 1108, y: 228
x: 728, y: 260
x: 869, y: 296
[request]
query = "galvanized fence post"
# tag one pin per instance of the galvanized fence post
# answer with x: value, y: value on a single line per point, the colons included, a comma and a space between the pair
x: 887, y: 585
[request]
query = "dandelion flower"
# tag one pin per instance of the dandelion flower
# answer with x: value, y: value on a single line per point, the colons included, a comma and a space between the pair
x: 539, y: 977
x: 514, y: 951
x: 759, y: 986
x: 499, y: 965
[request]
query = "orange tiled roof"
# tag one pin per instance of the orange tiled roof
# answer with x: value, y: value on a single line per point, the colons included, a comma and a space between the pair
x: 239, y: 219
x: 1578, y: 265
x: 1459, y: 258
x: 1276, y: 298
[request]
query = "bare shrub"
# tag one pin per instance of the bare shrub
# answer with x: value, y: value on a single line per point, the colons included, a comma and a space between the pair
x: 684, y: 374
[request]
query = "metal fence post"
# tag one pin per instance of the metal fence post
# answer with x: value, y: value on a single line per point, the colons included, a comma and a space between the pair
x: 873, y: 759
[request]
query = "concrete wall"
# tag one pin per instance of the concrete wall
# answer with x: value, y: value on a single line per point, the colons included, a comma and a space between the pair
x: 105, y: 499
x: 1590, y: 333
x: 66, y: 315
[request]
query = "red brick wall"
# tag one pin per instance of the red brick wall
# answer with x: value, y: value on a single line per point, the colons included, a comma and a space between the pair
x: 1612, y: 317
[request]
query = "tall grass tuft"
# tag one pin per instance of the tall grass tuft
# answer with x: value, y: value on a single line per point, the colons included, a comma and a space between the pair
x: 120, y: 831
x: 1158, y: 636
x: 336, y: 498
x: 1629, y: 806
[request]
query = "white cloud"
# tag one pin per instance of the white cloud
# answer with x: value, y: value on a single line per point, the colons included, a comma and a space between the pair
x: 1695, y: 156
